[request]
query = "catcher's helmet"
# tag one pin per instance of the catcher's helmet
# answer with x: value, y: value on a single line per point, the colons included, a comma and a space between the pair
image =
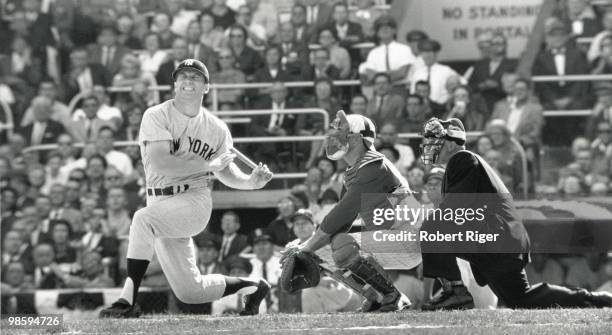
x: 193, y: 64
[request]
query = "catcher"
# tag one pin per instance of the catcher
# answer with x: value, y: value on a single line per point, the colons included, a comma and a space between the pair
x: 351, y: 138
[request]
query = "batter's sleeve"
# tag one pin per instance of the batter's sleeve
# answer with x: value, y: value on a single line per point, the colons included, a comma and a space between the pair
x: 342, y: 216
x: 226, y: 142
x: 154, y: 127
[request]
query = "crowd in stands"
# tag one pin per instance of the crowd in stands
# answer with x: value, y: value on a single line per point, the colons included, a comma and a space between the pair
x: 81, y: 72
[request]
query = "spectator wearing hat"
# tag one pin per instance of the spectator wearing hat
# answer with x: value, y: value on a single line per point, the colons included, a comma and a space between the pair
x: 561, y: 57
x: 208, y: 255
x: 486, y: 73
x: 389, y: 56
x: 596, y: 44
x: 385, y: 106
x: 280, y: 230
x: 232, y: 242
x: 303, y: 224
x: 413, y: 38
x: 431, y: 71
x: 267, y: 266
x: 233, y: 303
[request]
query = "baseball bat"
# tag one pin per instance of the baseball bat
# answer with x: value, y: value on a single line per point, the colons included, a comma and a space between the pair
x: 244, y: 158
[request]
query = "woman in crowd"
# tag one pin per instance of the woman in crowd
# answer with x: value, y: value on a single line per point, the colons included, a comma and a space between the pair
x: 504, y: 153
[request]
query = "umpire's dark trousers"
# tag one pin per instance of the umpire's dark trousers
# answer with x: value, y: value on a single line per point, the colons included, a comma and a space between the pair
x: 505, y: 275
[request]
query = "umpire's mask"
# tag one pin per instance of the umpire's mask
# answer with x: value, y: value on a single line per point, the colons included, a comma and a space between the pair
x: 435, y: 133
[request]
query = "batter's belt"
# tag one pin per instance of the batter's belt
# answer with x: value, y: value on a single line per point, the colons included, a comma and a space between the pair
x: 170, y: 190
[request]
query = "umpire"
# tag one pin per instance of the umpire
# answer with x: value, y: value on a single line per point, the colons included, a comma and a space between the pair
x: 469, y: 182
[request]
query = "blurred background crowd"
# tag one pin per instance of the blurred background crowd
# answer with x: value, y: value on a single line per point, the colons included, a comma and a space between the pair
x: 78, y: 75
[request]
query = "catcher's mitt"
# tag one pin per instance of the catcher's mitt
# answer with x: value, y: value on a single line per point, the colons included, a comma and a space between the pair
x: 300, y: 270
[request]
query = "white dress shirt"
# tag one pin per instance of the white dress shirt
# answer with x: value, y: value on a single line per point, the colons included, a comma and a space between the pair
x: 398, y: 54
x: 437, y: 75
x: 273, y: 269
x: 514, y: 118
x: 275, y: 118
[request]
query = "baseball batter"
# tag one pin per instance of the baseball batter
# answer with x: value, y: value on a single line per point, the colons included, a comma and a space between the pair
x: 182, y: 145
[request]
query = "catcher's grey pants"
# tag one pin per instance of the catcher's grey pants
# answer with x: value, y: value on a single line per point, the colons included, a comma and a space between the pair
x: 165, y: 227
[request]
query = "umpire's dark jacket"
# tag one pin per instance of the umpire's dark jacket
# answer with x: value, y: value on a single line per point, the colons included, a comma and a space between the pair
x: 470, y: 182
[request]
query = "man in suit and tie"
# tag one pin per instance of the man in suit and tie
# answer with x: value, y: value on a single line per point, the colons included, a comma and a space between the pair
x: 321, y: 67
x: 82, y: 75
x: 385, y: 106
x: 197, y: 50
x: 486, y: 73
x: 208, y: 255
x: 273, y: 124
x: 561, y: 57
x: 15, y: 250
x: 318, y: 13
x: 303, y: 31
x: 232, y: 243
x: 108, y: 51
x: 96, y: 240
x: 295, y: 56
x: 180, y: 51
x: 43, y: 130
x: 59, y: 210
x: 87, y: 128
x: 348, y: 32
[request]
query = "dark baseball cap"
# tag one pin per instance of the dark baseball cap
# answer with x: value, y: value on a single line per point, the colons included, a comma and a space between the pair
x: 192, y: 64
x: 242, y: 263
x: 303, y: 213
x: 429, y: 45
x: 416, y: 35
x: 261, y: 235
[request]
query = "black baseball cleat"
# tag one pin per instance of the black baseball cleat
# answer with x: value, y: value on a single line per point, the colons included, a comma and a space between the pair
x: 393, y: 302
x: 455, y: 297
x: 251, y: 306
x: 600, y: 299
x: 121, y: 309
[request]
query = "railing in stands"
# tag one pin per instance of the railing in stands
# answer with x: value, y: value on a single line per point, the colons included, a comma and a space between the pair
x: 214, y: 88
x: 9, y: 125
x: 572, y: 77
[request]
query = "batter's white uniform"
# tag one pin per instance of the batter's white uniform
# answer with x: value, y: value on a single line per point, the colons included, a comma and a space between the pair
x: 168, y: 222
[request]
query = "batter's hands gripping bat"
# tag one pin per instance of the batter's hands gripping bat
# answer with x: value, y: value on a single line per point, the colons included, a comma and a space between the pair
x: 261, y: 171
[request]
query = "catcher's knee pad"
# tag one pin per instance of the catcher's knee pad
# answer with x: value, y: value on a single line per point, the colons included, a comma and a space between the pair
x: 345, y: 250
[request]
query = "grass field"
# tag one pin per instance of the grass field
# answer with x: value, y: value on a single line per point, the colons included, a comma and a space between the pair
x: 540, y: 322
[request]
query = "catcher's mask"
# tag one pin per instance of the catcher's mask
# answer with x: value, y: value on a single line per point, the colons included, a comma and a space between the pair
x: 344, y: 126
x: 435, y: 133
